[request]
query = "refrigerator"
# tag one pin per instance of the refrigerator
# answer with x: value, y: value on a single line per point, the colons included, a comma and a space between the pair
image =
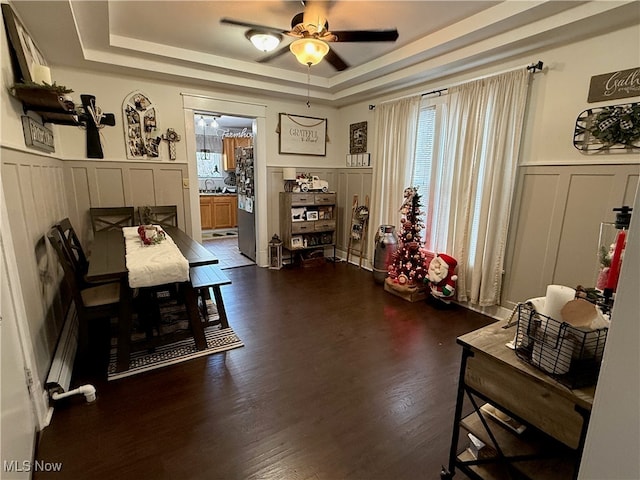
x: 246, y: 199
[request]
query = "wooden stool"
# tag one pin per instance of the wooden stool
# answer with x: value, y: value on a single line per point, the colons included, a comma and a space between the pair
x: 210, y: 276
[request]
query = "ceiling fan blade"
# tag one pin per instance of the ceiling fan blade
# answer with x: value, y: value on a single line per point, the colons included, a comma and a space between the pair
x: 336, y: 60
x: 366, y: 35
x: 238, y: 23
x: 274, y: 54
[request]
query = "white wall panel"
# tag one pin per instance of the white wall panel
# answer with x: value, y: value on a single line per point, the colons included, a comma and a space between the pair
x: 35, y: 202
x: 587, y: 201
x: 116, y: 184
x: 110, y: 188
x: 556, y: 222
x: 142, y: 186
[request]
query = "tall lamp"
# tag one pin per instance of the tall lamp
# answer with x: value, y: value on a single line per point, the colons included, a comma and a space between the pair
x: 289, y: 176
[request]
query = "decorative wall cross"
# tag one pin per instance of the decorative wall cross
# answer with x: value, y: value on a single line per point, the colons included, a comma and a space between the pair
x: 171, y: 137
x: 93, y: 120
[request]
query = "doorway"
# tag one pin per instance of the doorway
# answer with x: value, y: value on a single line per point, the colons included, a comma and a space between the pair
x: 224, y: 157
x: 256, y: 115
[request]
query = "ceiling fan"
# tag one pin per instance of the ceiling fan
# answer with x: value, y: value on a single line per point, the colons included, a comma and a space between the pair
x: 311, y: 31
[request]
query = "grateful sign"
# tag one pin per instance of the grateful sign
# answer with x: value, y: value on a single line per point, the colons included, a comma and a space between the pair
x: 610, y: 86
x: 302, y: 135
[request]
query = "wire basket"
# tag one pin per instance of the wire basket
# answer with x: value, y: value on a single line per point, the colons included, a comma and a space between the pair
x: 569, y: 354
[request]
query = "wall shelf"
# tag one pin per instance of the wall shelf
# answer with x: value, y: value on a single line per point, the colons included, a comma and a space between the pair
x: 48, y: 104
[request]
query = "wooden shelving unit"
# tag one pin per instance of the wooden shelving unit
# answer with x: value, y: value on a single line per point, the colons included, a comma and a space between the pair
x: 308, y: 220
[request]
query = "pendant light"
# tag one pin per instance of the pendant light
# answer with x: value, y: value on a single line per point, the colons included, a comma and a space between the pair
x: 309, y: 51
x: 263, y: 41
x: 204, y: 151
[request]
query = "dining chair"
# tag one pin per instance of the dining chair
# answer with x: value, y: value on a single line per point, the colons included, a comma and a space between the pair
x: 92, y: 302
x: 163, y: 215
x: 73, y: 249
x: 111, y: 218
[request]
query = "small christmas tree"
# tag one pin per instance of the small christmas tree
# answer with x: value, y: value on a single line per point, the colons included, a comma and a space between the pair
x: 408, y: 266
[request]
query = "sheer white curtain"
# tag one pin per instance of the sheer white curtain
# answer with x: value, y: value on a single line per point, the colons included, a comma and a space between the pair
x: 436, y: 194
x: 484, y: 129
x: 395, y: 134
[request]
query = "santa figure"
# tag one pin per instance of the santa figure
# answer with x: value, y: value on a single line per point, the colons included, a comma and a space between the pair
x: 441, y: 277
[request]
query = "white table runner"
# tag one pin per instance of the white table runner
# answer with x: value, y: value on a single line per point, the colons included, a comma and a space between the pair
x: 151, y: 265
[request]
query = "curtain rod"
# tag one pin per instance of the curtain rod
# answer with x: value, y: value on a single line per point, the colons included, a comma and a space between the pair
x: 533, y: 68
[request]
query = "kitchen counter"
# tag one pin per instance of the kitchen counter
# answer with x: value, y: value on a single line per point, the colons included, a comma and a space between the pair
x: 218, y: 194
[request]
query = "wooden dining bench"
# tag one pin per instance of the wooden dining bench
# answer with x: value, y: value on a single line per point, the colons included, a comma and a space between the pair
x: 210, y: 276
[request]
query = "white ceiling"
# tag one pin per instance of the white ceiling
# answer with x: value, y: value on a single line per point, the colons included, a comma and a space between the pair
x: 185, y: 41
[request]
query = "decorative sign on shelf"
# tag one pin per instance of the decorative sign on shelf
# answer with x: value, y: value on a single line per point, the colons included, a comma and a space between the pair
x: 614, y: 127
x: 358, y: 137
x: 37, y: 135
x: 303, y: 135
x: 614, y: 85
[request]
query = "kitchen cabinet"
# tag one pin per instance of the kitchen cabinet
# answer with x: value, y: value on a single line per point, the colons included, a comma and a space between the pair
x: 517, y: 395
x: 206, y: 212
x: 218, y: 211
x: 229, y: 145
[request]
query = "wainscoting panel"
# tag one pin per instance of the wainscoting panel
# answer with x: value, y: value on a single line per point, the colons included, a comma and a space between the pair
x: 78, y: 197
x: 35, y: 198
x: 109, y: 187
x: 275, y: 185
x: 556, y: 223
x: 353, y: 182
x: 115, y: 184
x: 143, y: 188
x: 170, y: 191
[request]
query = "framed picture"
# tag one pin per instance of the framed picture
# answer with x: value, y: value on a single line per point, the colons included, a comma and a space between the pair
x: 358, y: 137
x: 26, y: 54
x: 303, y: 135
x: 312, y: 215
x: 296, y: 242
x: 298, y: 214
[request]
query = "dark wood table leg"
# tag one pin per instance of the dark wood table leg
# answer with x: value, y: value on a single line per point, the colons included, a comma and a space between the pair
x: 125, y: 324
x: 191, y: 301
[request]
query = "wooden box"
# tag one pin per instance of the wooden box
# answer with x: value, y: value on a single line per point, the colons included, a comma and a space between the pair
x: 411, y: 295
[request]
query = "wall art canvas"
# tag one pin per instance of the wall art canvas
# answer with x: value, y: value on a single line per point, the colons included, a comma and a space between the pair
x: 358, y: 137
x: 140, y: 121
x: 303, y: 135
x: 25, y: 54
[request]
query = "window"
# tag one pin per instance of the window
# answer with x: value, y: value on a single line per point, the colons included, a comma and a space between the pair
x: 427, y: 171
x: 209, y: 164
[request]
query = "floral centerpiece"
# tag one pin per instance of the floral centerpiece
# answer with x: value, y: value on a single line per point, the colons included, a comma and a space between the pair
x: 150, y: 234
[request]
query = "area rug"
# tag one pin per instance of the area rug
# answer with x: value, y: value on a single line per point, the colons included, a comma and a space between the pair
x: 217, y: 341
x: 173, y: 318
x: 221, y: 233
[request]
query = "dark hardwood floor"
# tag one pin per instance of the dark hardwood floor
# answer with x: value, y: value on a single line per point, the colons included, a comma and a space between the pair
x: 338, y: 379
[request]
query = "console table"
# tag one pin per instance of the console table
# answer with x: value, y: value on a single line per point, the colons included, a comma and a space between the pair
x: 555, y: 417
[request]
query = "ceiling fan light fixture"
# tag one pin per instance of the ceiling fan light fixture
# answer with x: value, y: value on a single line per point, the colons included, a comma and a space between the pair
x: 309, y: 51
x: 264, y: 41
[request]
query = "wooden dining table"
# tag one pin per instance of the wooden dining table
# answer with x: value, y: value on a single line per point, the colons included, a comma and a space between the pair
x: 107, y: 261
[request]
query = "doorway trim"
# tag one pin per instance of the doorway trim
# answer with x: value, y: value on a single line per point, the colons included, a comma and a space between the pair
x: 197, y: 103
